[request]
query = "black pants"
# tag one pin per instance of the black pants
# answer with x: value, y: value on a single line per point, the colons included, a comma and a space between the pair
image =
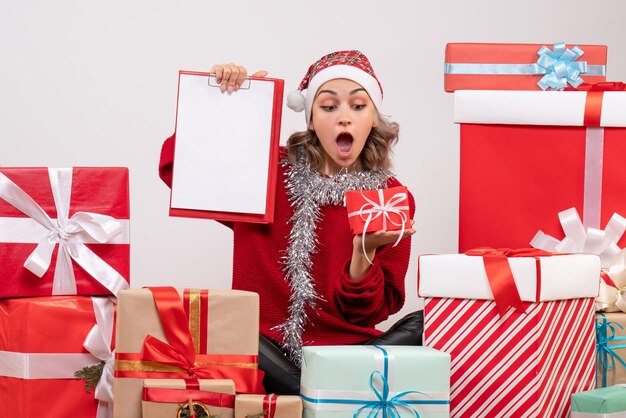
x: 282, y: 377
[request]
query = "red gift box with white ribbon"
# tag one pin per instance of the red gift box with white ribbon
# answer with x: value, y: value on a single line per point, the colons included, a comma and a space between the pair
x: 44, y: 341
x: 528, y: 155
x: 378, y: 210
x: 64, y: 231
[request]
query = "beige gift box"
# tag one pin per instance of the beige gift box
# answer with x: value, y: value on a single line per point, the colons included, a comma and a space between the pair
x: 616, y: 374
x: 222, y: 324
x: 159, y: 403
x: 250, y: 406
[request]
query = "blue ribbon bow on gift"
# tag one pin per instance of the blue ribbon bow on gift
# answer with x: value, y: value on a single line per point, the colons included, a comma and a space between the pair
x: 605, y: 333
x: 559, y: 67
x: 389, y: 407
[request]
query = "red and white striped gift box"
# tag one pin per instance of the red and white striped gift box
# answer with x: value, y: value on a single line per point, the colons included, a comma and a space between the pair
x: 519, y: 364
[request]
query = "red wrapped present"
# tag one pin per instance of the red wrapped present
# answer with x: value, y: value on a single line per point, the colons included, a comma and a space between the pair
x: 64, y: 231
x: 526, y: 156
x: 378, y: 210
x: 164, y: 333
x: 525, y: 361
x: 483, y: 66
x: 43, y: 342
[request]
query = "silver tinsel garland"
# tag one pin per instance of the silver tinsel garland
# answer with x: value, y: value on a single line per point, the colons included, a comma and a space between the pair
x: 308, y: 191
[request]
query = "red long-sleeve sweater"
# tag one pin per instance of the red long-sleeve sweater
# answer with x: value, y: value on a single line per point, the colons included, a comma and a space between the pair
x: 349, y: 310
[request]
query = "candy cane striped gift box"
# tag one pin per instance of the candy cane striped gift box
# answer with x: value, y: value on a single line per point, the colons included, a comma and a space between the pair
x: 520, y: 364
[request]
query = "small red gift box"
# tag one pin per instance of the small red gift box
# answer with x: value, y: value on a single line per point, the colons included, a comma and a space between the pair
x: 488, y: 66
x: 64, y: 231
x: 527, y: 156
x: 378, y: 210
x: 42, y: 345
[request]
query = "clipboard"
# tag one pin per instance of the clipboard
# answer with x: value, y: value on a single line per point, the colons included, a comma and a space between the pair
x: 226, y: 152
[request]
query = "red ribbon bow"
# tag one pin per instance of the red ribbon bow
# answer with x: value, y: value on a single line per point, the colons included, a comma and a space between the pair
x: 180, y: 351
x: 500, y: 277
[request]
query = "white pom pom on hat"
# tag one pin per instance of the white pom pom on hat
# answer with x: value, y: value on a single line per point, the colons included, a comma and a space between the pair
x: 296, y: 101
x: 351, y: 65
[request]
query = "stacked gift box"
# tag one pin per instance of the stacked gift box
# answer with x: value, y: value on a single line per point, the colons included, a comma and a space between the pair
x: 520, y: 324
x: 64, y: 251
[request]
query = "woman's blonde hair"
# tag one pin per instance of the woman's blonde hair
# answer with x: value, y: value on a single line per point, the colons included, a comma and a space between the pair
x: 305, y: 147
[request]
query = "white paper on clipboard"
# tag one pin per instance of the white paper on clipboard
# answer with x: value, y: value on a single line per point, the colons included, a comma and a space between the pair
x: 222, y: 146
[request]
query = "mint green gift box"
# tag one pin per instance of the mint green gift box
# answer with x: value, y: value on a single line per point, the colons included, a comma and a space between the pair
x: 339, y: 381
x: 608, y: 402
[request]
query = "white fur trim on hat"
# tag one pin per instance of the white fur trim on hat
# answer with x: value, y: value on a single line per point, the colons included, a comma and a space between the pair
x: 369, y: 83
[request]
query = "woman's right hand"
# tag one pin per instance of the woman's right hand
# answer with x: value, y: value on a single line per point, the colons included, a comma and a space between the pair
x: 230, y: 76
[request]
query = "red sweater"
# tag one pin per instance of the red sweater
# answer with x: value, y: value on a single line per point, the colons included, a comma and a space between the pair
x: 349, y: 310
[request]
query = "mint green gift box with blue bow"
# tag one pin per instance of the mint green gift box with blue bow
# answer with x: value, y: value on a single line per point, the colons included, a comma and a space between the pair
x: 608, y: 402
x: 375, y: 381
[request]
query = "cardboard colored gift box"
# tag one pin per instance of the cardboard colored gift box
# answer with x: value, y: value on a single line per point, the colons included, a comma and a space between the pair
x: 527, y: 361
x: 609, y: 402
x: 346, y: 381
x: 42, y: 346
x: 184, y: 334
x: 491, y: 66
x: 611, y: 348
x: 268, y: 406
x: 64, y: 231
x: 378, y: 210
x: 527, y: 156
x: 162, y: 398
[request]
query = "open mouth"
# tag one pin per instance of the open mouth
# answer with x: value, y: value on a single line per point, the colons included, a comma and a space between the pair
x: 344, y: 142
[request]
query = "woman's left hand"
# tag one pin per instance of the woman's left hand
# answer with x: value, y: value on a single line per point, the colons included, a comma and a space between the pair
x: 373, y: 240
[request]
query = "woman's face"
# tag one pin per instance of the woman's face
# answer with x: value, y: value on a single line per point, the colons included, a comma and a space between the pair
x: 342, y: 117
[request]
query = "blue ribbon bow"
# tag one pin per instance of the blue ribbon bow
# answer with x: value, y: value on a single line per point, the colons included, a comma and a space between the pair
x: 559, y: 67
x: 389, y: 407
x: 605, y: 333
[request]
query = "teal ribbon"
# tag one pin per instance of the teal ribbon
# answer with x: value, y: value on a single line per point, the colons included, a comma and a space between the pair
x: 605, y: 334
x: 387, y: 406
x: 560, y: 67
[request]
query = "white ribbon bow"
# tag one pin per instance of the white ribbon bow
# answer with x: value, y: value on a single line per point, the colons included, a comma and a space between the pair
x: 373, y: 210
x: 603, y: 243
x: 98, y: 343
x: 68, y: 233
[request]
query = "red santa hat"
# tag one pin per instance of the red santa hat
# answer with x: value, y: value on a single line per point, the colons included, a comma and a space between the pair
x: 351, y: 65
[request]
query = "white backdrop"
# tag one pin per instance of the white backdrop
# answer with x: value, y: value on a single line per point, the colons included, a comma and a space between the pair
x: 89, y: 83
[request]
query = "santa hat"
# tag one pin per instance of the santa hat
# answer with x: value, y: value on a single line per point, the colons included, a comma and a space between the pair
x: 351, y: 65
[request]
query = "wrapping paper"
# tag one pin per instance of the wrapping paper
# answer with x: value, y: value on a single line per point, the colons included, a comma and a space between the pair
x: 527, y: 364
x: 269, y: 406
x: 508, y: 175
x: 609, y: 402
x: 103, y: 191
x: 513, y: 65
x: 610, y: 369
x: 41, y: 346
x: 223, y: 326
x: 162, y: 397
x: 346, y: 381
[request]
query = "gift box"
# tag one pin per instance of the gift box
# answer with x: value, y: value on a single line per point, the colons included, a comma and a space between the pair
x: 609, y: 402
x: 611, y: 348
x: 526, y: 359
x: 378, y: 210
x: 268, y: 406
x: 64, y: 231
x: 43, y: 342
x: 164, y: 398
x: 518, y: 148
x: 345, y: 381
x: 184, y: 334
x: 489, y: 66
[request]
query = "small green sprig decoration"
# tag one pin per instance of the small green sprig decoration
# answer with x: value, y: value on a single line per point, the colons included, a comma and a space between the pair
x: 91, y: 375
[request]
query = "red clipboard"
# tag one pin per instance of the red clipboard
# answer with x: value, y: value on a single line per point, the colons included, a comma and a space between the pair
x: 227, y: 148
